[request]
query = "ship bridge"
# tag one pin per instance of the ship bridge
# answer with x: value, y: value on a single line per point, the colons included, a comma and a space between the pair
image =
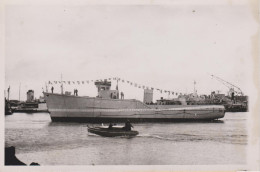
x: 104, y: 90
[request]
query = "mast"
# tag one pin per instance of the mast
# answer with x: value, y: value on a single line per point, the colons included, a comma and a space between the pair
x: 8, y: 91
x: 116, y: 83
x: 46, y: 87
x: 194, y: 87
x: 117, y: 88
x: 61, y: 85
x: 19, y: 90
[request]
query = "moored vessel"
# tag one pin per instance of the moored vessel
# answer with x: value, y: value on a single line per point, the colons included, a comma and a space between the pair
x: 8, y: 109
x: 107, y: 107
x: 112, y: 132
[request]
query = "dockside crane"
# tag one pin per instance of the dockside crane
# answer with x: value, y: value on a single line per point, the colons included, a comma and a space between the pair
x: 231, y: 87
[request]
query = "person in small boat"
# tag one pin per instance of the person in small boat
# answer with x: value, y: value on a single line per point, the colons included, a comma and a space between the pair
x: 110, y: 126
x: 128, y: 126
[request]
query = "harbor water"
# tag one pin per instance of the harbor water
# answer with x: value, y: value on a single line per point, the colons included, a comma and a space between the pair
x: 37, y: 139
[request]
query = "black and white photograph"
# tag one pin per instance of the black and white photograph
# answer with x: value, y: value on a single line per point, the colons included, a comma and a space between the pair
x: 130, y: 85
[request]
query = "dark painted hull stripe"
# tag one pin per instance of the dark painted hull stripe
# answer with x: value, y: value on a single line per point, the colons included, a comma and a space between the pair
x: 108, y: 120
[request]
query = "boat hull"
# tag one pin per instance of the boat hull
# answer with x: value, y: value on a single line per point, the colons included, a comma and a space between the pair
x: 96, y: 110
x: 112, y: 132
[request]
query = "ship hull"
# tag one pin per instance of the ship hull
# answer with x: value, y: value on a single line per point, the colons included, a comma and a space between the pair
x: 96, y: 110
x: 133, y: 120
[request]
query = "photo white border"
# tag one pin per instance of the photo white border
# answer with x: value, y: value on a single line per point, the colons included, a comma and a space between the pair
x: 253, y: 153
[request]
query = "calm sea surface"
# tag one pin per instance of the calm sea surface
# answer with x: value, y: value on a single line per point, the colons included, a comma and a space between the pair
x: 37, y: 139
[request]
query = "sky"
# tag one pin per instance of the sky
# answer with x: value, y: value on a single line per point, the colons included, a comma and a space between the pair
x: 162, y: 46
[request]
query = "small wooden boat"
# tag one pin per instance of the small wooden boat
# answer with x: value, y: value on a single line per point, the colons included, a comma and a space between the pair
x: 112, y: 132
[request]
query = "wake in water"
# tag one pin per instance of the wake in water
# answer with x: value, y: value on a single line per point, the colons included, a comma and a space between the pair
x: 176, y: 138
x: 155, y: 136
x: 229, y: 139
x: 93, y: 135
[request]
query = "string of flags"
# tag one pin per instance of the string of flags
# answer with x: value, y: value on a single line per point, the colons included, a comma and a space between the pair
x: 134, y: 84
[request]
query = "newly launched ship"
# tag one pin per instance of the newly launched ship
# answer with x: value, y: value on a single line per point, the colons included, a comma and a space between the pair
x: 107, y: 107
